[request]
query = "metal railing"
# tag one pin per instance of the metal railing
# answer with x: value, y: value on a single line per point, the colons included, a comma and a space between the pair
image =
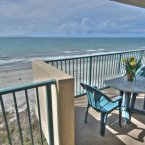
x: 93, y: 69
x: 88, y: 69
x: 19, y: 133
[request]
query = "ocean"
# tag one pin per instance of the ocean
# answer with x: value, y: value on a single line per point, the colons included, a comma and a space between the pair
x: 18, y: 51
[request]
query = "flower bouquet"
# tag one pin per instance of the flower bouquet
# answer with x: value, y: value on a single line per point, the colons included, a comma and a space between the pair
x: 131, y: 64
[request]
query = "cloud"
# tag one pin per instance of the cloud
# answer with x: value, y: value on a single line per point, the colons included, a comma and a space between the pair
x: 75, y: 27
x: 67, y: 17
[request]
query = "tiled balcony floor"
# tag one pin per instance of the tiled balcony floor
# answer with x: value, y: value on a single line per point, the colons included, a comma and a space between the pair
x: 88, y: 134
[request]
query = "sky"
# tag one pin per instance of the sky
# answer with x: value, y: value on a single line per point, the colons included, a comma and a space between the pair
x: 70, y: 18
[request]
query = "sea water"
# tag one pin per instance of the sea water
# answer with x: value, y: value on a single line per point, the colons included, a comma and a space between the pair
x: 21, y: 50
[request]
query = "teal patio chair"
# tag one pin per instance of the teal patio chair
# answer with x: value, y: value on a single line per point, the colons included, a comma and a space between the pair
x: 103, y: 104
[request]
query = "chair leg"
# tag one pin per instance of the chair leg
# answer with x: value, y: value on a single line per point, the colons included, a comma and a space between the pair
x: 85, y: 121
x: 103, y: 123
x: 120, y: 116
x: 144, y: 103
x: 133, y: 101
x: 120, y: 113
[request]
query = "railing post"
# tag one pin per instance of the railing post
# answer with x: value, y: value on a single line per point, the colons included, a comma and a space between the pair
x: 5, y: 119
x: 90, y: 70
x: 49, y: 114
x: 143, y: 57
x: 119, y: 63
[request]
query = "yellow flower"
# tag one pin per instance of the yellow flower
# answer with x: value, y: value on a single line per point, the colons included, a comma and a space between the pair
x: 132, y: 63
x: 124, y: 60
x: 132, y: 58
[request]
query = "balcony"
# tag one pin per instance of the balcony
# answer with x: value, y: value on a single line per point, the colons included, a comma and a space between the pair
x: 89, y: 134
x: 48, y: 116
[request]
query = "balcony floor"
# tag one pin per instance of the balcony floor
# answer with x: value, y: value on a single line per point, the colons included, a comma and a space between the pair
x: 88, y: 134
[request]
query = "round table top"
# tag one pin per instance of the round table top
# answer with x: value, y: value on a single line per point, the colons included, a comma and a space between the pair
x: 121, y: 83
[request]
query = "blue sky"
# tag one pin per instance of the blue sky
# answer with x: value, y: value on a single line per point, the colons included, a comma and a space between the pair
x: 93, y: 18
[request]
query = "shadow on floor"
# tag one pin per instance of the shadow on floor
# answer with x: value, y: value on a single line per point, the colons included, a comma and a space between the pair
x: 89, y: 134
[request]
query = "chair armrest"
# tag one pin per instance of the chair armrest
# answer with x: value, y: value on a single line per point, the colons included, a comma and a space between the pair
x: 118, y: 98
x: 94, y: 87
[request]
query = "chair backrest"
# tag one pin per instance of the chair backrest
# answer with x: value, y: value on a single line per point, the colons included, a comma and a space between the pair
x: 95, y: 97
x: 141, y: 71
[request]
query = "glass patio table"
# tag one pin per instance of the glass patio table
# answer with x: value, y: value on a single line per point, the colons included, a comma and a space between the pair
x: 130, y: 88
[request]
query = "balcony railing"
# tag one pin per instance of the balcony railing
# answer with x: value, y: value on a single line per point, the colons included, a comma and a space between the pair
x: 27, y: 137
x: 95, y: 68
x: 89, y: 69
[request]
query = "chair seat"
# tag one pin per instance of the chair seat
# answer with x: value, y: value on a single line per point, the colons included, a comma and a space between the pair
x: 104, y: 105
x: 107, y: 106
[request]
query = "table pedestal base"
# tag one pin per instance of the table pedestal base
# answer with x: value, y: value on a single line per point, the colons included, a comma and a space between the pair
x: 126, y: 114
x: 128, y: 106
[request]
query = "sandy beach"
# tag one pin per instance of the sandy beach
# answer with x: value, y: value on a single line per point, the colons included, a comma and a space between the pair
x: 13, y: 77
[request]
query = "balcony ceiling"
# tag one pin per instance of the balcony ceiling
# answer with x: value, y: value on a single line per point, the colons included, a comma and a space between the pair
x: 138, y: 3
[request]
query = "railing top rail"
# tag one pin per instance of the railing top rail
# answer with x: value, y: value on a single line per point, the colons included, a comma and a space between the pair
x: 26, y: 86
x: 93, y: 55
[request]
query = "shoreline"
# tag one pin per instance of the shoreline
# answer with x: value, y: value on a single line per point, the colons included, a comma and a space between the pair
x: 15, y: 63
x: 15, y: 67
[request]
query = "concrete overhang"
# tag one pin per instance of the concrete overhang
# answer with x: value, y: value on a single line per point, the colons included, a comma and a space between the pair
x: 138, y: 3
